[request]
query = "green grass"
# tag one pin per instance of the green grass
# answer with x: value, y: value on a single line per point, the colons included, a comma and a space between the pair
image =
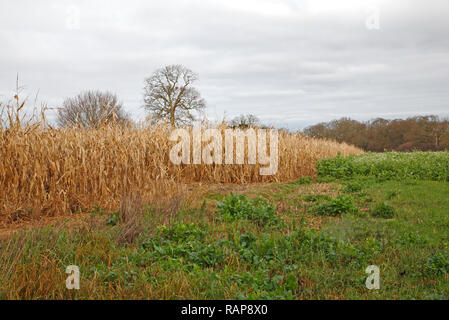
x: 386, y: 166
x: 236, y: 207
x: 303, y: 240
x: 383, y: 210
x: 336, y: 207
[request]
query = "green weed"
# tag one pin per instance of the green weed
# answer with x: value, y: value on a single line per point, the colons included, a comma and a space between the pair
x: 236, y: 207
x: 336, y: 207
x: 383, y: 210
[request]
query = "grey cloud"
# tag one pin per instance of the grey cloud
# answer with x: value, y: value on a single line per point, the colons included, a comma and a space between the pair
x: 275, y: 59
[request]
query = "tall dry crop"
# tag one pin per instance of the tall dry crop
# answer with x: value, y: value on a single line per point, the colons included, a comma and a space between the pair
x: 46, y: 171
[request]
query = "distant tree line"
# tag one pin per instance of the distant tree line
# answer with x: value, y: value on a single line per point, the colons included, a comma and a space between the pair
x: 425, y: 133
x: 245, y: 121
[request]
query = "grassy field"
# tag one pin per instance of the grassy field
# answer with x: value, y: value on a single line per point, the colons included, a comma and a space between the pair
x: 307, y: 239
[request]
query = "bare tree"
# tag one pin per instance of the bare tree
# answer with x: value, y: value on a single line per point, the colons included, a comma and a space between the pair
x: 245, y: 121
x: 169, y: 95
x: 91, y: 109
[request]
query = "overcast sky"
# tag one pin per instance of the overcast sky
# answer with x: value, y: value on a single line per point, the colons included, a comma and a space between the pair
x: 293, y: 63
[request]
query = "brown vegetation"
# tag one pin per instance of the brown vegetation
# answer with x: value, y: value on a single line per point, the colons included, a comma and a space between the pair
x: 422, y: 133
x: 48, y: 172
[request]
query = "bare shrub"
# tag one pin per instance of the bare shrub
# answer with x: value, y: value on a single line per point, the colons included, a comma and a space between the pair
x: 169, y: 208
x: 130, y: 218
x: 92, y: 109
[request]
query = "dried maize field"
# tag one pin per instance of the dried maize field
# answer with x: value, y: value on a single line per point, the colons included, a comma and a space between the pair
x: 51, y: 172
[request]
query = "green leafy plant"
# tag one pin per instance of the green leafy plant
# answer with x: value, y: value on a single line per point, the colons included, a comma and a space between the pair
x: 388, y: 166
x: 183, y: 232
x: 96, y: 211
x: 353, y: 187
x: 438, y: 264
x: 391, y: 194
x: 336, y: 207
x: 412, y: 240
x: 236, y: 207
x: 383, y: 210
x: 338, y: 167
x: 184, y: 241
x: 113, y: 218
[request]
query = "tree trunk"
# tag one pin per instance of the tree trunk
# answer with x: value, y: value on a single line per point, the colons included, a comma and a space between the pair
x: 172, y: 117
